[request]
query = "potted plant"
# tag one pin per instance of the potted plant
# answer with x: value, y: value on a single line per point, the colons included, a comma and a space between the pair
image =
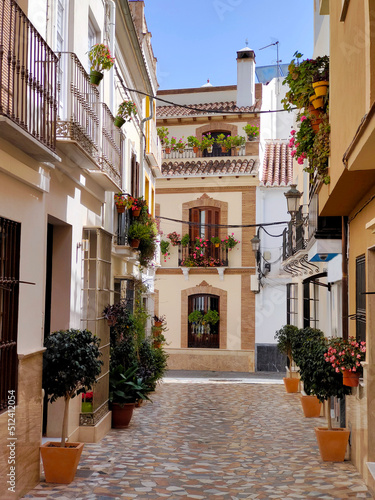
x: 285, y: 338
x: 225, y: 142
x: 230, y: 241
x: 237, y: 142
x: 326, y: 383
x: 215, y: 240
x: 122, y: 202
x: 207, y: 143
x: 175, y: 238
x: 71, y: 366
x: 185, y: 240
x: 303, y: 348
x: 137, y: 232
x: 194, y: 142
x: 138, y: 205
x: 164, y: 249
x: 162, y: 134
x: 178, y: 145
x: 126, y: 387
x: 195, y: 317
x: 159, y: 321
x: 251, y: 131
x: 211, y: 317
x: 124, y: 113
x: 345, y: 357
x: 167, y: 145
x: 100, y: 60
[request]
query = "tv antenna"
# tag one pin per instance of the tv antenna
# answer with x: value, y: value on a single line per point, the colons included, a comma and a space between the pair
x: 278, y: 61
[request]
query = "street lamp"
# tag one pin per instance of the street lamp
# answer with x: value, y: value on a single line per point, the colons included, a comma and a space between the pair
x: 293, y: 197
x: 255, y: 244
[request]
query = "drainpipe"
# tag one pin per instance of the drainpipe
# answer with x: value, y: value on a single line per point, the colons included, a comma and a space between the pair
x: 345, y: 297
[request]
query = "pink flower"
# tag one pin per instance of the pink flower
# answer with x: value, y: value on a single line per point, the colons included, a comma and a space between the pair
x: 293, y: 132
x: 337, y: 370
x: 303, y: 118
x: 293, y: 152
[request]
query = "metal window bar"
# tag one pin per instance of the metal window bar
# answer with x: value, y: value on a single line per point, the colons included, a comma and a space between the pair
x: 9, y: 287
x: 220, y: 255
x: 112, y: 141
x: 79, y: 107
x: 28, y: 75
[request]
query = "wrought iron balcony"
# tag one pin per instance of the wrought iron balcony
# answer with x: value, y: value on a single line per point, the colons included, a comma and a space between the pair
x: 111, y: 150
x: 189, y: 153
x: 78, y: 113
x: 28, y: 72
x: 210, y: 256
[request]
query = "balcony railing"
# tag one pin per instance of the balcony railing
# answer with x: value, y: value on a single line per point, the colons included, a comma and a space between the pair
x: 27, y: 76
x: 78, y: 100
x: 111, y: 151
x: 189, y: 153
x: 123, y: 223
x: 212, y: 256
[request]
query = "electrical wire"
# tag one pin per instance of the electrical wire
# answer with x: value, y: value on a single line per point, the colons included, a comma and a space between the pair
x: 226, y: 225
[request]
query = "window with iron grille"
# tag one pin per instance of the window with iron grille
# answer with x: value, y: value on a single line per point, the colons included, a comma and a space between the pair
x: 204, y: 335
x: 360, y: 298
x: 292, y: 304
x: 9, y: 291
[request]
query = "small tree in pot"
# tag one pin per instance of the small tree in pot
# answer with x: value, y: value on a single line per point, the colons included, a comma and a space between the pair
x: 71, y: 366
x: 285, y: 337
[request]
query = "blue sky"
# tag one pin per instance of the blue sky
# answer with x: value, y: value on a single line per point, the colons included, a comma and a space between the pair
x: 194, y: 40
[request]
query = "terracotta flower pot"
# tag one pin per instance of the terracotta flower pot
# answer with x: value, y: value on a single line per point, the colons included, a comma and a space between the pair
x: 320, y: 88
x: 223, y: 149
x: 291, y: 384
x: 135, y: 243
x: 351, y: 379
x: 311, y: 406
x: 60, y: 463
x: 95, y: 77
x: 120, y: 208
x: 315, y: 125
x: 121, y: 415
x: 195, y: 149
x: 158, y: 323
x: 136, y: 212
x: 167, y: 150
x: 332, y: 443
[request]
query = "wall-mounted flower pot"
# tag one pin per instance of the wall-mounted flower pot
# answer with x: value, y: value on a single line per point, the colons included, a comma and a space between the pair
x: 313, y: 112
x: 315, y: 124
x: 60, y: 463
x: 350, y: 379
x: 158, y: 324
x: 291, y: 384
x: 317, y: 102
x: 118, y: 121
x: 320, y: 88
x: 311, y: 406
x: 95, y: 77
x: 120, y: 208
x: 135, y: 243
x: 332, y: 443
x: 136, y: 212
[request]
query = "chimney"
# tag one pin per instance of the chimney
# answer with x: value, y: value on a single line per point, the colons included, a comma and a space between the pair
x: 245, y: 77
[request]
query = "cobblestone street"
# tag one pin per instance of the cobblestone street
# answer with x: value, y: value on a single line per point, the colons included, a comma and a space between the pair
x: 208, y: 438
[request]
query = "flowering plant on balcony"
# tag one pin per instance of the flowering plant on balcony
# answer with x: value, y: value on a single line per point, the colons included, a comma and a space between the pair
x: 225, y: 141
x: 177, y: 145
x: 185, y: 240
x: 215, y: 240
x: 230, y: 241
x: 175, y: 238
x: 193, y: 142
x: 126, y: 110
x: 122, y: 200
x: 251, y: 131
x: 345, y: 355
x: 163, y: 135
x: 164, y: 249
x: 207, y: 141
x: 238, y: 141
x: 100, y: 57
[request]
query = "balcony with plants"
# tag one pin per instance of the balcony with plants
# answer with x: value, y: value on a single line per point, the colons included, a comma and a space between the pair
x: 209, y: 146
x: 28, y: 86
x: 87, y: 131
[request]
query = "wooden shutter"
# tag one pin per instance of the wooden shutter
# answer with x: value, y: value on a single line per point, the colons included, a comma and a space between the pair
x: 194, y: 229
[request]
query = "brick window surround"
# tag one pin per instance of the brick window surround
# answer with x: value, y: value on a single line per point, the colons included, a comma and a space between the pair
x: 216, y: 127
x: 203, y: 288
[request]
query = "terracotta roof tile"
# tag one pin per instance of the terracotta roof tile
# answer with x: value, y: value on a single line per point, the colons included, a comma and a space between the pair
x: 277, y: 164
x: 209, y: 167
x: 172, y: 111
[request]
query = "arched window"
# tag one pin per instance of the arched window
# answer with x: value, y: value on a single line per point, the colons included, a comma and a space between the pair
x: 202, y: 334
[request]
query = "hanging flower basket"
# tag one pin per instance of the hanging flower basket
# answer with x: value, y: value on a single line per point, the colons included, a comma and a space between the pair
x: 95, y: 77
x: 120, y: 208
x: 136, y: 212
x: 118, y: 122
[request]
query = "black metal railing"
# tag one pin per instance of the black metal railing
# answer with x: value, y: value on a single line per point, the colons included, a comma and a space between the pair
x: 111, y: 151
x: 203, y: 336
x: 210, y: 256
x: 79, y: 108
x: 294, y: 236
x: 9, y: 292
x: 28, y: 72
x: 123, y: 223
x: 190, y: 153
